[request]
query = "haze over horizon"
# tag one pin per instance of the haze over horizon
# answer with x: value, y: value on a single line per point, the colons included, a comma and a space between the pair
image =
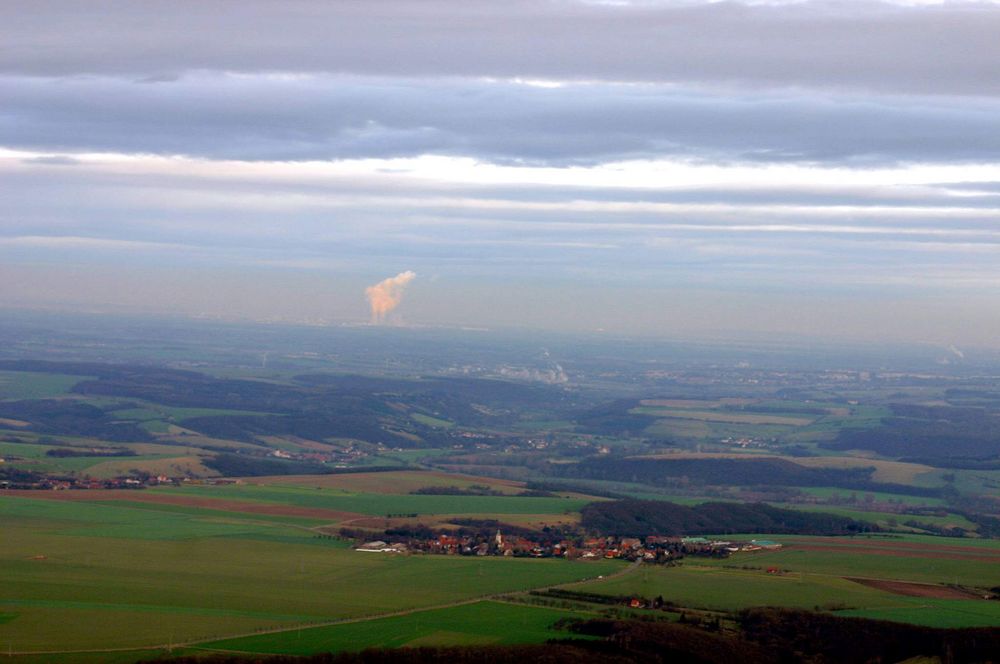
x: 651, y: 167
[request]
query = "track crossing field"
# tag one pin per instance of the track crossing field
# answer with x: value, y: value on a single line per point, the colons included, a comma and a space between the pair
x: 253, y: 568
x: 925, y: 580
x: 77, y: 575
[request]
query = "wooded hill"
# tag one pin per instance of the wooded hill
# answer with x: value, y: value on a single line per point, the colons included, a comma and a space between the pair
x: 730, y: 472
x: 639, y: 518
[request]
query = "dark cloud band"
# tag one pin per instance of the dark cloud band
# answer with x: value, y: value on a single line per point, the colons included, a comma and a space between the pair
x: 325, y: 117
x: 944, y: 48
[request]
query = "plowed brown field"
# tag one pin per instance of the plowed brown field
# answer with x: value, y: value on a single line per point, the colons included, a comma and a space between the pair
x: 916, y: 589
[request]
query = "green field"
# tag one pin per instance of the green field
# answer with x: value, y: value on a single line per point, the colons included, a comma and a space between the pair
x: 32, y: 385
x: 412, y: 456
x: 377, y: 504
x: 965, y: 570
x: 971, y: 545
x: 936, y: 613
x: 222, y: 514
x: 33, y: 457
x: 713, y: 430
x: 731, y: 417
x: 697, y: 586
x: 77, y: 575
x: 788, y: 421
x: 436, y: 422
x: 817, y: 579
x: 826, y: 493
x: 25, y: 450
x: 468, y: 624
x: 395, y: 482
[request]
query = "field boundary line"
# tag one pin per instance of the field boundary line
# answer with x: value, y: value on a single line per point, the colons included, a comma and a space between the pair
x: 194, y: 643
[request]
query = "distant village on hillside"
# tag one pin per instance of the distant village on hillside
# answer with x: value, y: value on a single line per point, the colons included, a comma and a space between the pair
x: 653, y: 548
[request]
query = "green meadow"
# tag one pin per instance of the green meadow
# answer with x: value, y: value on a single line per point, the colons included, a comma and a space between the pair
x: 968, y: 544
x: 935, y: 613
x: 36, y: 385
x: 833, y: 492
x: 306, y: 522
x: 478, y: 623
x: 966, y: 570
x: 818, y: 579
x: 380, y: 504
x: 692, y: 585
x: 723, y: 589
x: 77, y: 576
x: 436, y: 422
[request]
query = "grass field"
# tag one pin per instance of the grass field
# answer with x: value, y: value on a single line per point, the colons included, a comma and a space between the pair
x: 75, y: 575
x: 788, y: 419
x: 395, y: 482
x: 154, y: 459
x: 703, y: 429
x: 32, y: 385
x: 988, y: 547
x: 698, y: 586
x: 917, y: 558
x: 830, y: 492
x: 159, y: 419
x: 815, y: 573
x: 430, y: 421
x: 222, y: 514
x: 478, y: 623
x: 897, y: 472
x: 171, y: 465
x: 694, y: 404
x: 719, y: 588
x: 377, y: 504
x: 936, y: 613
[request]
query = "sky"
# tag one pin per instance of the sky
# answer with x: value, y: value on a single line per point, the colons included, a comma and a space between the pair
x: 828, y: 169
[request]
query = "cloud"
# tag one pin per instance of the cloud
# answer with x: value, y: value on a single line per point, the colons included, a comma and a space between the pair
x: 222, y: 116
x: 79, y: 242
x: 949, y: 48
x: 53, y: 160
x: 740, y: 147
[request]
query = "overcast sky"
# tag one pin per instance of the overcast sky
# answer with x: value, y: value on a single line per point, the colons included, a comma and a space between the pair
x: 676, y: 168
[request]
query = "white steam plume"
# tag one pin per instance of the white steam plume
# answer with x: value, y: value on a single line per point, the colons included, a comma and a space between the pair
x: 386, y: 295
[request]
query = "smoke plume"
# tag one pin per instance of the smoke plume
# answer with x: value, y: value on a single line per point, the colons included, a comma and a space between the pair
x: 385, y: 296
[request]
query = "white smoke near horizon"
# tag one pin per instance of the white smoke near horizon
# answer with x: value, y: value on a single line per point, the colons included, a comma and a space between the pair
x: 956, y: 352
x: 386, y: 295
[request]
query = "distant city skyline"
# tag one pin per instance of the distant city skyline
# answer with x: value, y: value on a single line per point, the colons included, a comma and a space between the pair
x: 663, y: 168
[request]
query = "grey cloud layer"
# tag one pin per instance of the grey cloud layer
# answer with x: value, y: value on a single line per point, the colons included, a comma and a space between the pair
x: 951, y: 48
x: 325, y: 117
x: 346, y: 222
x: 720, y: 90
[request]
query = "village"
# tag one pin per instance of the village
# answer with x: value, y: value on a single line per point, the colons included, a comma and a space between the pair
x: 25, y: 480
x: 652, y: 549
